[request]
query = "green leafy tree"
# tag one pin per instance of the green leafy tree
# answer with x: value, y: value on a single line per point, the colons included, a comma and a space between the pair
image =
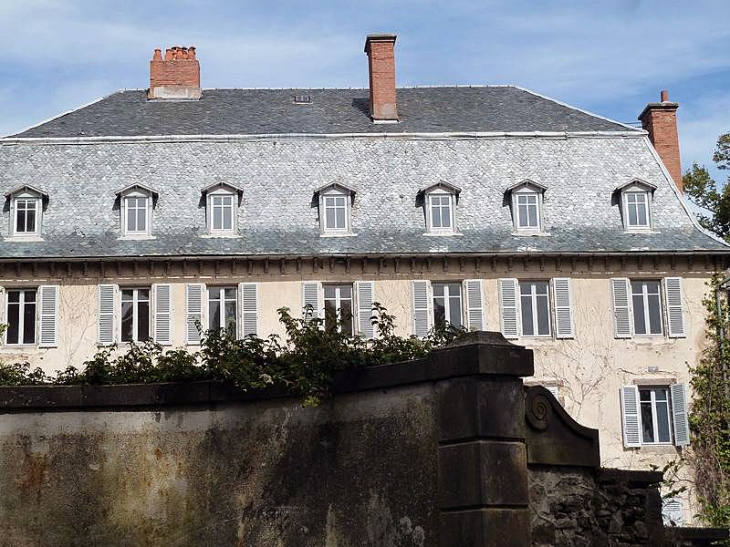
x: 703, y: 191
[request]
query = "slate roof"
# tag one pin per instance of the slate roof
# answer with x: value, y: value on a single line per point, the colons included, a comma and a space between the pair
x: 278, y: 215
x: 332, y: 111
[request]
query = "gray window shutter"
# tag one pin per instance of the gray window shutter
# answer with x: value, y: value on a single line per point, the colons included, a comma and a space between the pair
x: 2, y: 305
x: 509, y: 305
x: 675, y: 313
x: 672, y: 512
x: 249, y: 304
x: 563, y: 297
x: 365, y: 296
x: 630, y: 411
x: 312, y: 297
x: 474, y: 304
x: 194, y: 308
x: 163, y: 313
x: 622, y: 323
x: 422, y: 307
x: 679, y: 411
x: 107, y: 330
x: 48, y: 316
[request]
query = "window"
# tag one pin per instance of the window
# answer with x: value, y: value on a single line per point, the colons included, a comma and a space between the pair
x: 526, y: 200
x: 26, y: 210
x: 222, y: 213
x: 447, y: 304
x: 335, y: 204
x: 135, y: 315
x: 136, y: 204
x: 535, y: 308
x: 635, y: 203
x: 439, y: 204
x: 527, y: 212
x: 21, y: 317
x: 654, y: 414
x: 222, y: 308
x: 335, y: 213
x: 647, y: 306
x: 222, y: 209
x: 338, y: 306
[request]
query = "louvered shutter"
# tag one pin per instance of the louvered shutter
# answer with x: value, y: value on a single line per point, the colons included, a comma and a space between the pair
x: 365, y: 297
x: 312, y: 297
x: 106, y: 331
x: 422, y: 308
x: 622, y: 324
x: 163, y: 313
x: 194, y: 307
x: 2, y: 305
x: 554, y: 390
x: 48, y: 317
x: 630, y: 411
x: 672, y: 512
x: 675, y: 313
x: 249, y: 304
x: 679, y: 411
x: 563, y: 298
x: 509, y: 305
x: 474, y: 304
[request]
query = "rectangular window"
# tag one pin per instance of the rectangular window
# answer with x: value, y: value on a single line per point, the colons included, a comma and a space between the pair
x: 25, y: 215
x: 535, y: 308
x: 647, y: 305
x: 222, y: 308
x: 447, y: 304
x: 440, y: 210
x: 135, y: 315
x: 637, y: 210
x: 136, y: 212
x: 222, y: 213
x: 656, y: 424
x: 21, y: 316
x: 527, y: 211
x: 338, y: 306
x: 335, y: 213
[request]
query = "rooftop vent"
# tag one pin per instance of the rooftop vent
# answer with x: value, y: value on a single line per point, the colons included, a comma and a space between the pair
x: 302, y: 98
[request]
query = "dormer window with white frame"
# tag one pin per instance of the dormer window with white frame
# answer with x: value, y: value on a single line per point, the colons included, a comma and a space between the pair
x: 26, y: 212
x: 526, y: 199
x: 221, y: 205
x: 439, y: 202
x: 636, y: 196
x: 335, y: 209
x: 136, y: 205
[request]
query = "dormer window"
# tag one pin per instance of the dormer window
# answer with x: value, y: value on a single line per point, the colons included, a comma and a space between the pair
x: 636, y: 204
x: 526, y: 200
x: 136, y: 205
x: 26, y: 211
x: 222, y: 201
x: 335, y: 205
x: 439, y: 202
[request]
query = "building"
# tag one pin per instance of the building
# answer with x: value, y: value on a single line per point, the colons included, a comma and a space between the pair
x: 490, y: 206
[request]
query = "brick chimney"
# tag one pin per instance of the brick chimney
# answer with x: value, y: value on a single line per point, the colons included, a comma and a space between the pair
x: 381, y: 64
x: 660, y: 120
x: 177, y: 76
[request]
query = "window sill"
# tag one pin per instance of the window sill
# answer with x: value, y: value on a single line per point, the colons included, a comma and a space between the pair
x: 221, y: 236
x: 335, y: 234
x: 533, y: 233
x: 659, y: 448
x: 442, y: 234
x: 640, y: 231
x: 136, y: 238
x: 17, y: 349
x: 23, y: 239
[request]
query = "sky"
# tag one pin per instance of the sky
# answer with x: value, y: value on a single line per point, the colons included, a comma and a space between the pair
x: 608, y: 57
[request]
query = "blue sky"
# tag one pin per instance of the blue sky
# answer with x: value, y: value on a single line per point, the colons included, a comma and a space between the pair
x: 609, y: 57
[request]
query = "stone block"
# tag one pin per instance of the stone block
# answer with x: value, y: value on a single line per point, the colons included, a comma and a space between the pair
x: 485, y: 528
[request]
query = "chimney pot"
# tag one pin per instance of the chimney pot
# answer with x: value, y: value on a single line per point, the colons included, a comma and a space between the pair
x: 660, y: 121
x: 175, y: 77
x: 381, y: 63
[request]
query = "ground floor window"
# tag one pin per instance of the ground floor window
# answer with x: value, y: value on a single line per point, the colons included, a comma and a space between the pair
x: 338, y: 307
x: 136, y: 315
x: 447, y: 304
x: 535, y: 308
x: 656, y: 426
x: 21, y: 316
x: 222, y: 308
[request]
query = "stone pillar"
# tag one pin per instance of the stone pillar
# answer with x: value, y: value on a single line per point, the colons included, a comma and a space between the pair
x: 482, y: 461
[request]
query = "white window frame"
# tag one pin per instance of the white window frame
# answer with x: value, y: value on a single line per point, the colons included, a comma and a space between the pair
x: 221, y: 303
x: 636, y: 191
x: 222, y: 192
x: 447, y: 300
x: 26, y: 197
x: 534, y: 299
x: 530, y: 191
x: 135, y: 313
x: 21, y: 316
x: 334, y: 192
x: 440, y: 193
x: 646, y: 307
x: 136, y: 194
x: 654, y: 416
x: 338, y: 299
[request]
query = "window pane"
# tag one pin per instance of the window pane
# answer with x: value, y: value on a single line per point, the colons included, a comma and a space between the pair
x: 230, y: 293
x: 655, y: 316
x: 230, y: 318
x: 330, y: 313
x: 647, y: 423
x: 142, y: 219
x: 633, y: 219
x: 345, y: 291
x: 29, y: 296
x: 346, y: 315
x: 30, y: 221
x: 13, y: 296
x: 526, y: 301
x: 143, y: 322
x: 533, y: 216
x: 639, y: 317
x: 642, y: 215
x: 522, y: 216
x: 340, y: 217
x: 662, y: 416
x: 439, y: 311
x: 13, y: 319
x: 29, y: 323
x: 143, y: 294
x: 127, y: 321
x: 455, y: 310
x: 435, y: 216
x: 329, y: 217
x: 543, y: 316
x: 438, y: 289
x: 228, y: 218
x: 217, y: 218
x: 214, y: 314
x: 446, y: 216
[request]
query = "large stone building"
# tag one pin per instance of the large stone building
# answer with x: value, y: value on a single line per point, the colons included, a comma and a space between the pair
x: 494, y: 207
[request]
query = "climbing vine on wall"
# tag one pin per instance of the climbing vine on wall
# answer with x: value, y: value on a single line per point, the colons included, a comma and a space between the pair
x: 710, y: 414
